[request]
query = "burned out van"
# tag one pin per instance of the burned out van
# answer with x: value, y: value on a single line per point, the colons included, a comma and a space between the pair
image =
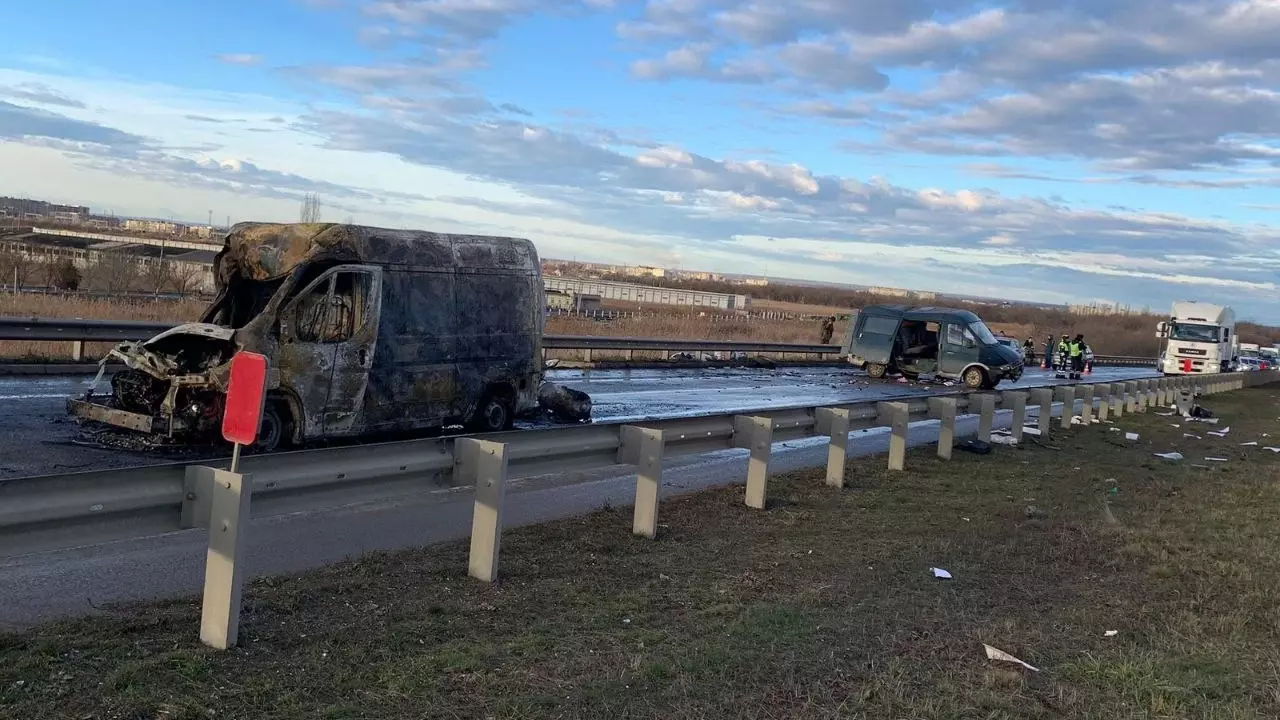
x: 368, y: 330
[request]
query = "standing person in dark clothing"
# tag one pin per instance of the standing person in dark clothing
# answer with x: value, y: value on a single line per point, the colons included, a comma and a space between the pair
x: 1048, y: 353
x: 1028, y: 352
x: 828, y: 328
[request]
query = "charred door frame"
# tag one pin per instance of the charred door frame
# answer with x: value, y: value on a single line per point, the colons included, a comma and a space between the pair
x: 320, y: 374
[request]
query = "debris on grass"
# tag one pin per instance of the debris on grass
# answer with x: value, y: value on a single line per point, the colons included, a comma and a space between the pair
x: 1169, y: 456
x: 940, y: 573
x: 998, y: 654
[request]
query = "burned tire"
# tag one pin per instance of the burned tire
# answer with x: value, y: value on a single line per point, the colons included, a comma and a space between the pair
x: 277, y: 428
x: 975, y: 378
x: 876, y: 370
x: 495, y: 413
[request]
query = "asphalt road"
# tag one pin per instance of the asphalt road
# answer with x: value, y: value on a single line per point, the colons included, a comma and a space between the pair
x: 45, y: 586
x: 36, y: 437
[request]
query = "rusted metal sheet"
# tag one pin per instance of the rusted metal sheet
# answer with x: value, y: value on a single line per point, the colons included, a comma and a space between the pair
x: 109, y: 416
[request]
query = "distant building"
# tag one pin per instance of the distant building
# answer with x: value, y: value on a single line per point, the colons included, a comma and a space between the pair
x: 627, y: 292
x: 152, y: 226
x: 641, y: 271
x: 571, y: 301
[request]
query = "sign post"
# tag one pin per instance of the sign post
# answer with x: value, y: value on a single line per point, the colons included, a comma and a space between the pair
x: 229, y: 505
x: 246, y: 398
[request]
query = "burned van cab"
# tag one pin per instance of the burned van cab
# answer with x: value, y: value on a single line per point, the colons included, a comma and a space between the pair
x: 367, y: 330
x: 944, y: 342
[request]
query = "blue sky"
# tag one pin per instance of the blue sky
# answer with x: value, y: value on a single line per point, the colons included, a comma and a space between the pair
x: 1031, y: 149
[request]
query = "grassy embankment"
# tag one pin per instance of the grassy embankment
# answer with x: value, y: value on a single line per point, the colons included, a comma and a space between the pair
x: 823, y: 606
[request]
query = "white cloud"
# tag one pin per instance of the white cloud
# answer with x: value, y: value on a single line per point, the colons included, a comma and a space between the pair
x: 239, y: 58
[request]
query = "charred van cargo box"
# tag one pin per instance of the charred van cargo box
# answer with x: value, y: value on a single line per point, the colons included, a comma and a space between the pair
x: 368, y: 330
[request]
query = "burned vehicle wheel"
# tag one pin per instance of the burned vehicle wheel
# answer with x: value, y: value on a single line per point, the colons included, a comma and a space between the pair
x: 494, y: 414
x: 276, y: 431
x: 975, y: 378
x: 876, y: 370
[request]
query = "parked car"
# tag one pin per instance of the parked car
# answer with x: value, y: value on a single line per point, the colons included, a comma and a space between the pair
x: 944, y: 342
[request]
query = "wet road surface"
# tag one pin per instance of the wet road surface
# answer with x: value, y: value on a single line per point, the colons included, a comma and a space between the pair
x: 36, y: 435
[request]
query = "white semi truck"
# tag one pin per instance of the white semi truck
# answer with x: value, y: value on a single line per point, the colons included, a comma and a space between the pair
x: 1200, y: 339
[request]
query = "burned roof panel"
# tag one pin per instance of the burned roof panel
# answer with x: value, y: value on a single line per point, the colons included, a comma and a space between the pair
x: 265, y: 250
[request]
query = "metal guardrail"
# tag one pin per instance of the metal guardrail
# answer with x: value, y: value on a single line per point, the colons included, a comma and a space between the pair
x: 55, y: 511
x: 80, y: 330
x: 62, y: 511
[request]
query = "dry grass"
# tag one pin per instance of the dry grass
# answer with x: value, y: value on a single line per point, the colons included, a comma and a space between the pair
x: 56, y: 306
x: 798, y: 308
x: 820, y: 607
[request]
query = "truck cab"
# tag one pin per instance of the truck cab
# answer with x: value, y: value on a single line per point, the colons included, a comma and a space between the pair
x: 1200, y: 339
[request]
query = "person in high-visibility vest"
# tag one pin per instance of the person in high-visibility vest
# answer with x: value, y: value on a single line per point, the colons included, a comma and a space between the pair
x: 1063, y: 352
x: 1075, y: 349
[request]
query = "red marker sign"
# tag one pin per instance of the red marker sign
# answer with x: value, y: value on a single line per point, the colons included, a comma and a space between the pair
x: 246, y: 394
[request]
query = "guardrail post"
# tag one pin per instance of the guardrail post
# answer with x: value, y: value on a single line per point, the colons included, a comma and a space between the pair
x: 1043, y: 398
x: 1104, y: 400
x: 1118, y: 401
x: 986, y: 406
x: 943, y: 409
x: 1017, y: 402
x: 755, y: 434
x: 643, y: 447
x: 483, y: 463
x: 1153, y: 396
x: 197, y: 488
x: 1067, y: 394
x: 224, y: 565
x: 897, y: 416
x: 1131, y: 397
x: 586, y: 355
x: 77, y: 350
x: 631, y: 355
x: 835, y: 423
x: 1086, y: 406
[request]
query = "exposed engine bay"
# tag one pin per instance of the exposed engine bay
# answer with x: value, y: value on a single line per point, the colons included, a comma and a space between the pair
x: 172, y: 385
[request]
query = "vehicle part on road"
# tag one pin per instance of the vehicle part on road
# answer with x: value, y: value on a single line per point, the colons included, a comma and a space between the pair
x: 564, y: 403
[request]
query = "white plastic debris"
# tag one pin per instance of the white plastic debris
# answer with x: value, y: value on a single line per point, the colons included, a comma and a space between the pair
x: 1031, y: 430
x: 1192, y: 435
x: 1003, y: 440
x: 1169, y: 456
x: 1116, y: 429
x: 1272, y: 449
x: 1111, y: 633
x: 1216, y: 459
x: 998, y: 654
x: 940, y: 573
x: 1249, y: 444
x: 1130, y: 436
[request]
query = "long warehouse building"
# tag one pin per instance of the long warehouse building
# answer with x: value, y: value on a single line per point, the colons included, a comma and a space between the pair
x: 610, y: 290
